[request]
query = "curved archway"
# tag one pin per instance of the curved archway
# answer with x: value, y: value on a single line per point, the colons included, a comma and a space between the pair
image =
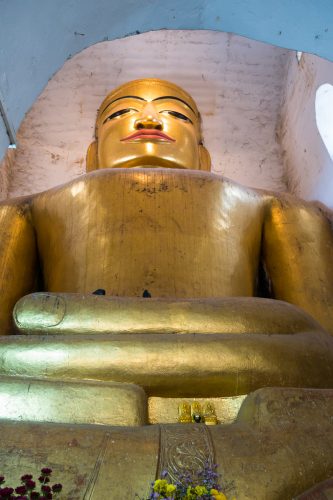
x: 38, y: 37
x: 237, y: 84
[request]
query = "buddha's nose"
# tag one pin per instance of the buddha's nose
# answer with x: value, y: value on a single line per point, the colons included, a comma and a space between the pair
x: 149, y: 118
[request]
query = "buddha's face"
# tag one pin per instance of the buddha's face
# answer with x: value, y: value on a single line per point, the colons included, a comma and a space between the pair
x: 147, y: 123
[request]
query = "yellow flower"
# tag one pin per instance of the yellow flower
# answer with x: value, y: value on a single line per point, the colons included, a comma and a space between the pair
x: 200, y: 490
x: 190, y: 495
x: 160, y: 485
x: 218, y: 495
x: 170, y: 489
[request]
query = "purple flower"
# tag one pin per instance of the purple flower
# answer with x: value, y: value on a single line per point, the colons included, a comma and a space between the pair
x: 46, y: 471
x: 21, y: 490
x: 46, y: 489
x: 56, y: 488
x: 30, y: 484
x: 26, y: 477
x: 44, y: 479
x: 6, y: 492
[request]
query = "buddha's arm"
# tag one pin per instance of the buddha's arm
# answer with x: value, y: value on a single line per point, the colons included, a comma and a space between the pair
x: 17, y: 258
x: 298, y: 254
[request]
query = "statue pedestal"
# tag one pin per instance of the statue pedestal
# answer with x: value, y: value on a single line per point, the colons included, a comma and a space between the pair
x: 279, y: 446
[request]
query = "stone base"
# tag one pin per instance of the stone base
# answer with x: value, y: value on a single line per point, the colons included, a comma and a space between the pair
x: 280, y: 445
x: 72, y: 402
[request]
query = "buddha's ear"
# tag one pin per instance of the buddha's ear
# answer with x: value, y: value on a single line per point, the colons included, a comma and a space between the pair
x: 91, y: 158
x: 204, y: 158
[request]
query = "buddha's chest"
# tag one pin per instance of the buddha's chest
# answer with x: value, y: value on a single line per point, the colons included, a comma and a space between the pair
x: 174, y: 235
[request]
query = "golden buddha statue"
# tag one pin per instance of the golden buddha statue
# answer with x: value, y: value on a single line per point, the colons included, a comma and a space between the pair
x: 184, y: 413
x: 209, y: 414
x: 240, y: 285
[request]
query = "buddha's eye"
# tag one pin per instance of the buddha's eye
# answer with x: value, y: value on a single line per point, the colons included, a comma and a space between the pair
x: 178, y: 115
x: 118, y: 113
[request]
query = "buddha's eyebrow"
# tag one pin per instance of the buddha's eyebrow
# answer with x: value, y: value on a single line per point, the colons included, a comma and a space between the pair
x: 145, y: 100
x: 123, y: 97
x: 175, y: 99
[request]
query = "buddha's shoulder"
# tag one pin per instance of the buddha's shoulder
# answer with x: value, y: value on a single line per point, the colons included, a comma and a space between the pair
x: 15, y: 207
x: 288, y: 203
x: 149, y: 181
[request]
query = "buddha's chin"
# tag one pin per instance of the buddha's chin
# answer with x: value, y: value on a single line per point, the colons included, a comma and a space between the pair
x: 149, y: 161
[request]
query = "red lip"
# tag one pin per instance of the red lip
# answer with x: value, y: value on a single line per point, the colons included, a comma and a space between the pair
x: 147, y: 134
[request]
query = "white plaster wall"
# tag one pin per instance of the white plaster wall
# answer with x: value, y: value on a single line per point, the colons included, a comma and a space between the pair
x: 309, y: 167
x: 37, y: 36
x: 236, y: 82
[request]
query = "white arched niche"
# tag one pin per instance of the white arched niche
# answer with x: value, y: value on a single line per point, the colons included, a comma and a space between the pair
x: 323, y: 189
x: 236, y: 82
x: 324, y: 115
x: 309, y: 168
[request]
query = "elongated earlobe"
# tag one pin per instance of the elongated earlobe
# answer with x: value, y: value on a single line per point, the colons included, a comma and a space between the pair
x: 204, y: 158
x: 91, y: 158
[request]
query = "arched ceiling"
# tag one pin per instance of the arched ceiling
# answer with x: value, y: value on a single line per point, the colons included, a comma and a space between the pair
x: 37, y: 36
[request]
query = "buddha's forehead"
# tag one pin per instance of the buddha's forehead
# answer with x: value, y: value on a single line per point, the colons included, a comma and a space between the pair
x: 149, y: 89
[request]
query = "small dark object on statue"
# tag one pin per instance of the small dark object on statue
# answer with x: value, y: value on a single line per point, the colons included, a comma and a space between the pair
x: 99, y: 291
x: 146, y: 294
x: 197, y: 418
